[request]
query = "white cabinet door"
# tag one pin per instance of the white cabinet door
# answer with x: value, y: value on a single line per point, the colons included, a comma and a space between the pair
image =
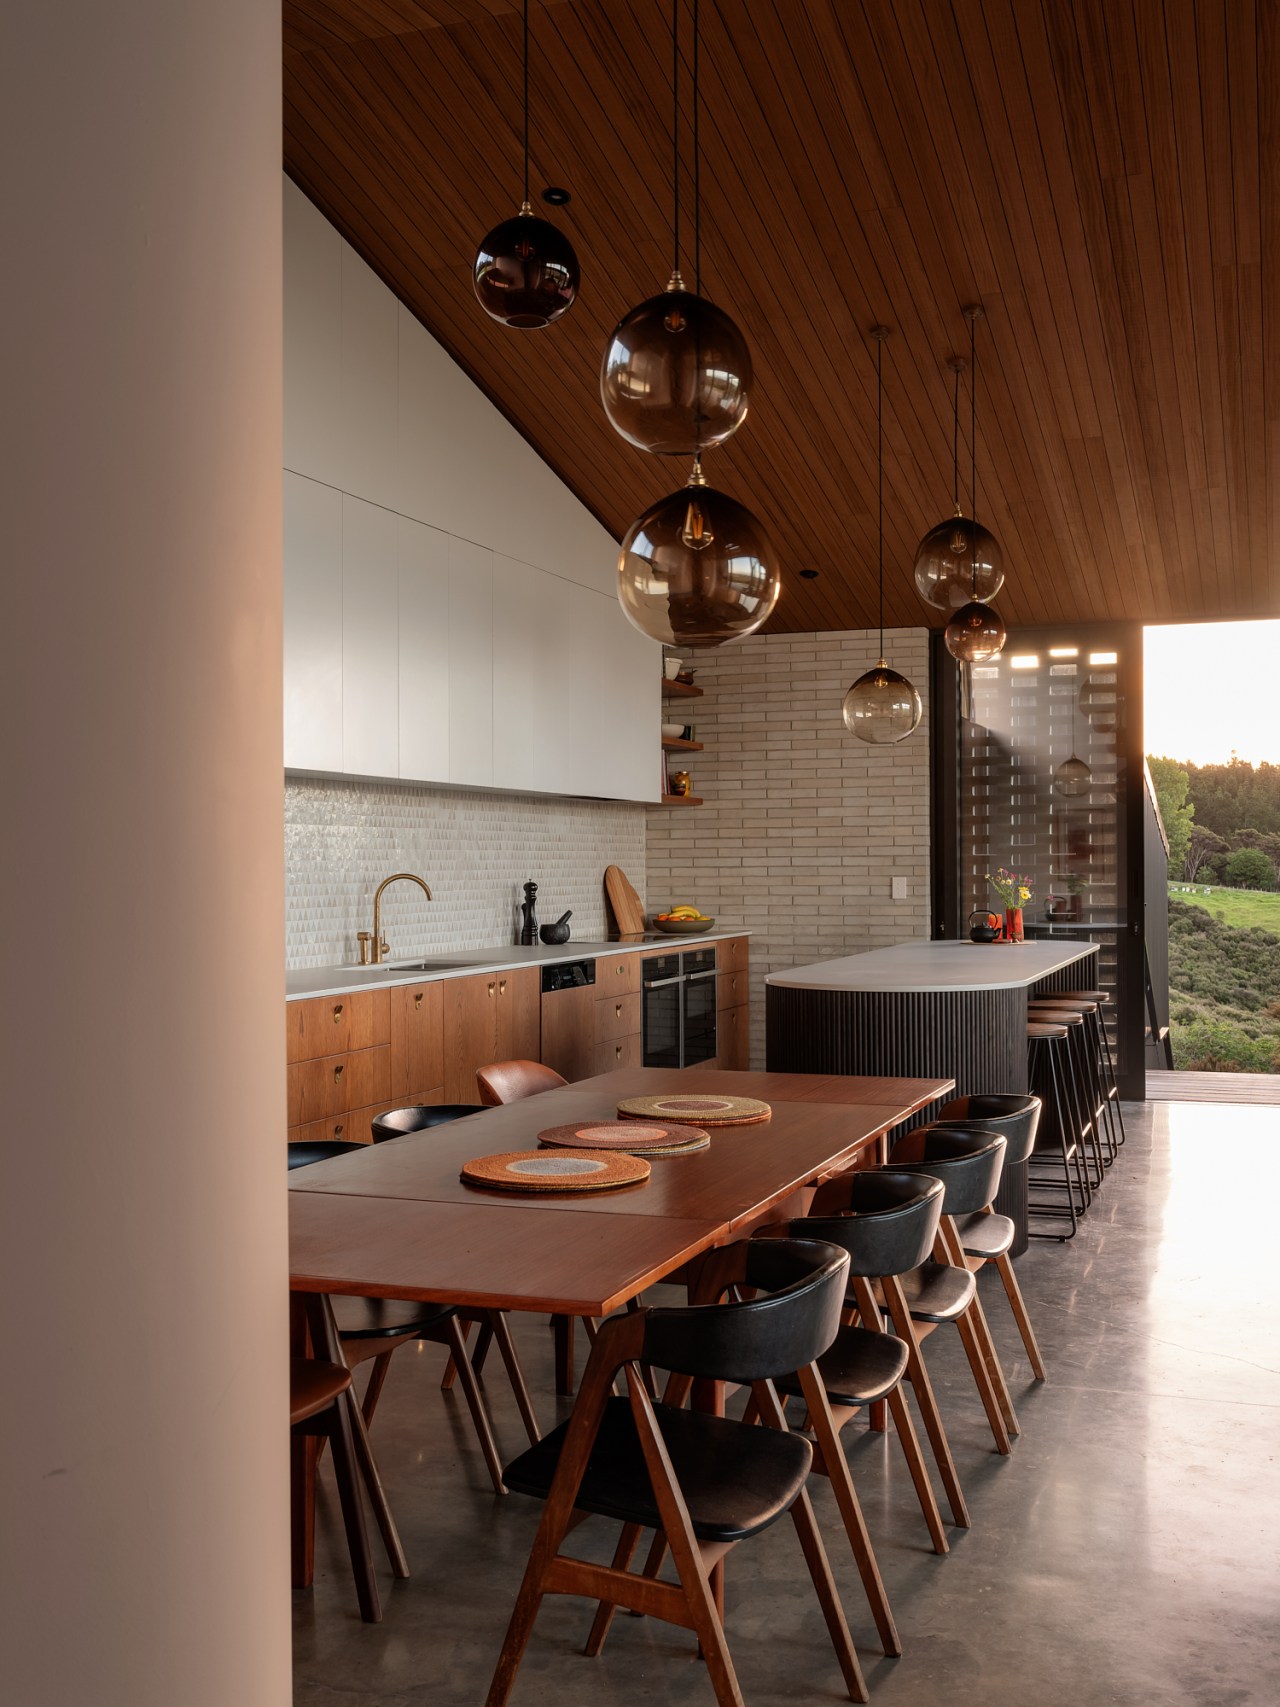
x: 368, y: 423
x: 535, y: 745
x: 312, y: 341
x: 312, y: 625
x: 616, y: 702
x: 423, y: 563
x: 370, y: 641
x: 470, y: 663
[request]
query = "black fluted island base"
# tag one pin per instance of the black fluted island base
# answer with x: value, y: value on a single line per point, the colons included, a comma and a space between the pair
x: 924, y: 1010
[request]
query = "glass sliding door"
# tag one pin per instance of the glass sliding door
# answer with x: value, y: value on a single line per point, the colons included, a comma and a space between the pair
x: 1044, y: 750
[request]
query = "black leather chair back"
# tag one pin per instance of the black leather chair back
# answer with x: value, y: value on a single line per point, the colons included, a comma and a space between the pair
x: 397, y: 1121
x: 884, y: 1218
x: 1014, y: 1117
x: 791, y: 1325
x: 304, y: 1152
x: 969, y: 1163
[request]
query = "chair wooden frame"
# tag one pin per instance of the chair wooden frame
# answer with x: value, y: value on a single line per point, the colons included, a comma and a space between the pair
x: 695, y: 1602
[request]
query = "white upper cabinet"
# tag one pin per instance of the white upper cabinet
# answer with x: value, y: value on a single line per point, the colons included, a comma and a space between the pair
x: 423, y: 562
x: 450, y: 613
x: 370, y: 640
x: 312, y: 625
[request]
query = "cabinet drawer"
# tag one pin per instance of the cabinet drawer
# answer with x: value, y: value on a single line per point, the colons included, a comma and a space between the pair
x: 620, y: 1052
x: 617, y: 1016
x: 733, y: 1039
x: 355, y: 1126
x: 329, y: 1025
x: 731, y: 989
x: 732, y: 954
x: 617, y: 974
x: 318, y: 1090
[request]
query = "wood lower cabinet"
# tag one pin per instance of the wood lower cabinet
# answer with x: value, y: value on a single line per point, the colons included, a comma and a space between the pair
x: 617, y: 1052
x: 733, y: 1040
x: 334, y: 1025
x: 493, y: 1017
x: 617, y: 1016
x: 568, y: 1031
x: 732, y: 955
x: 417, y: 1041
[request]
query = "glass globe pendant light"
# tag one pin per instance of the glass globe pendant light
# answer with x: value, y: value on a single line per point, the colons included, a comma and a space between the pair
x: 1072, y: 778
x: 676, y: 372
x: 526, y: 273
x: 958, y: 560
x: 697, y: 569
x: 881, y: 706
x: 975, y: 632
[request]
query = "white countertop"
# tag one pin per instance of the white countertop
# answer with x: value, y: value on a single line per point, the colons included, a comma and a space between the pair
x: 932, y: 966
x: 342, y: 980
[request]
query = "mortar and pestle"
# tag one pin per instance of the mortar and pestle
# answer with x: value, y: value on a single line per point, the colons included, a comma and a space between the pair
x: 554, y: 935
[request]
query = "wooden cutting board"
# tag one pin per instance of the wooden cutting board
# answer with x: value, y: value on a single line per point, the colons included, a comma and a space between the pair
x: 628, y: 914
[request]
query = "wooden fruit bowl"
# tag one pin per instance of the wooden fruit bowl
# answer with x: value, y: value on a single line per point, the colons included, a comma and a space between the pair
x: 682, y: 927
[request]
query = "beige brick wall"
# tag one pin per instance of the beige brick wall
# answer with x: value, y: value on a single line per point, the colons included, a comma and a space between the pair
x: 804, y: 826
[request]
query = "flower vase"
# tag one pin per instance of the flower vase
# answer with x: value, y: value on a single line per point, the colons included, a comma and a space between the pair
x: 1013, y: 924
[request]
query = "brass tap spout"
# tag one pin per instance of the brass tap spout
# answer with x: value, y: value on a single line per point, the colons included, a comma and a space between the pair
x: 379, y: 946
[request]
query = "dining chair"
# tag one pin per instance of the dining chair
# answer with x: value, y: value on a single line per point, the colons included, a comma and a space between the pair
x: 705, y: 1481
x: 944, y: 1290
x: 511, y: 1081
x: 321, y: 1404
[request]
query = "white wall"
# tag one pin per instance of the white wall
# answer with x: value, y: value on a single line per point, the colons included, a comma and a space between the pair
x: 143, y: 1278
x: 804, y: 826
x: 450, y: 614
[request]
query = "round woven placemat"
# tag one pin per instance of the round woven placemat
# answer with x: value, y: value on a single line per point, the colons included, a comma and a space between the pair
x: 696, y: 1109
x: 554, y: 1170
x: 631, y: 1137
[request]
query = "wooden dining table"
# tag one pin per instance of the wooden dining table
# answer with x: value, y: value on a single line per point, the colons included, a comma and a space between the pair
x: 395, y: 1220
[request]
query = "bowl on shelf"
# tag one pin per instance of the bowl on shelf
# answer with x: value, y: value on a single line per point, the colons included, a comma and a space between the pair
x: 682, y: 927
x: 672, y: 731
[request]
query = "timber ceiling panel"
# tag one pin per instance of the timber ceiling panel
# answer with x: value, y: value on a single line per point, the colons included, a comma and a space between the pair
x: 1103, y: 176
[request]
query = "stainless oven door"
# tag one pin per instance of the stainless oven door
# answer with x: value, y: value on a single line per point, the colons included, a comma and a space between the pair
x: 699, y: 1017
x: 660, y: 1011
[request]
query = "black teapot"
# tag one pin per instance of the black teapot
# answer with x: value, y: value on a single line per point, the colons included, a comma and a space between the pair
x: 983, y: 930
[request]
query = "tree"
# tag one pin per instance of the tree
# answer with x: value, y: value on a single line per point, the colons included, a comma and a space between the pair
x: 1202, y: 844
x: 1249, y: 868
x: 1176, y: 812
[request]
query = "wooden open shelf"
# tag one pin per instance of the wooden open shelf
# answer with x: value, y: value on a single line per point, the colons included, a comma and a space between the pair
x: 680, y: 690
x: 674, y: 744
x: 682, y: 800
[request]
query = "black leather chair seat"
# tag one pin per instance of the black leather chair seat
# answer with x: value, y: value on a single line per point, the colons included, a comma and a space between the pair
x: 736, y: 1479
x: 985, y: 1235
x: 936, y: 1292
x: 861, y: 1367
x: 384, y: 1318
x: 303, y: 1152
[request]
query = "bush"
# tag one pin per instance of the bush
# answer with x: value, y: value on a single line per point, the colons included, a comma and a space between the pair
x: 1218, y: 1046
x: 1223, y: 983
x: 1249, y: 868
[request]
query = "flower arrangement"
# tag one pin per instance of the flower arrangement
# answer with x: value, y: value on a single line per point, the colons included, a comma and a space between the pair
x: 1013, y: 889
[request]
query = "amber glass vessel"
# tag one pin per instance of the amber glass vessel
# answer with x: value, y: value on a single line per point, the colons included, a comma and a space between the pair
x: 676, y: 374
x: 974, y: 633
x: 881, y: 706
x: 697, y: 569
x: 526, y: 273
x: 956, y: 562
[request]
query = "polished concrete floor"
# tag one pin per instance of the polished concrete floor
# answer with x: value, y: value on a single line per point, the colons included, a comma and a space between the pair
x: 1126, y: 1552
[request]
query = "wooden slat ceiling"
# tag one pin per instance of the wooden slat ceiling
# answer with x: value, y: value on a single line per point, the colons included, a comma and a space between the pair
x: 1103, y: 176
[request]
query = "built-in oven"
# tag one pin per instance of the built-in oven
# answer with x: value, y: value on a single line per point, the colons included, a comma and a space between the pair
x: 678, y: 1008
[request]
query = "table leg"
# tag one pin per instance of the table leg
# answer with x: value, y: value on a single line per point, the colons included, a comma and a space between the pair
x: 304, y: 1456
x: 562, y: 1327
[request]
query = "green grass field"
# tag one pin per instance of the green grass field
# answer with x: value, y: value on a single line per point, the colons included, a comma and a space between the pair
x: 1241, y: 907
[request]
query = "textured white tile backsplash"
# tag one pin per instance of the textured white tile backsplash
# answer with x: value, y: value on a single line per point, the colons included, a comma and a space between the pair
x: 474, y: 848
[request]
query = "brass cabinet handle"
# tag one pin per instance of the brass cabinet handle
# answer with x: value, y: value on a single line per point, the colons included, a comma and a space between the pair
x: 492, y: 987
x: 337, y: 1073
x: 337, y: 1130
x: 617, y: 1050
x: 617, y: 1008
x: 417, y: 1000
x: 620, y: 969
x: 502, y: 986
x: 337, y: 1013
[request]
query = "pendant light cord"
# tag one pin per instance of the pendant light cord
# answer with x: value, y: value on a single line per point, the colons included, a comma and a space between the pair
x: 697, y: 167
x: 973, y: 456
x: 955, y: 435
x: 880, y: 477
x: 526, y: 102
x: 675, y: 134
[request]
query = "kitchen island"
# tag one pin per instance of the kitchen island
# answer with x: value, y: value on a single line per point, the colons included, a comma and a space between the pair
x: 953, y: 1009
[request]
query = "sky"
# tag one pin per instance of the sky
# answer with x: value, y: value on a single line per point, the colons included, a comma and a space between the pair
x: 1212, y: 687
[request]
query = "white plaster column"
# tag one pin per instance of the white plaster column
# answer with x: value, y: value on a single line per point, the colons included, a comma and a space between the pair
x: 143, y: 1451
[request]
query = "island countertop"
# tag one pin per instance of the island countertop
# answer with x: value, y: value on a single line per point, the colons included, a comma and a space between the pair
x: 937, y: 966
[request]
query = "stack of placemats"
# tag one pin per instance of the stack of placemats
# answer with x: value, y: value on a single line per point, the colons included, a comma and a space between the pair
x: 631, y: 1137
x: 701, y: 1109
x: 554, y: 1170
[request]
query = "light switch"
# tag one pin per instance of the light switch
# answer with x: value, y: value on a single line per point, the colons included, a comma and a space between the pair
x: 899, y: 888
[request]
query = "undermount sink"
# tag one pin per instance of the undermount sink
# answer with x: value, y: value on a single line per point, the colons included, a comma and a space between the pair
x: 416, y: 966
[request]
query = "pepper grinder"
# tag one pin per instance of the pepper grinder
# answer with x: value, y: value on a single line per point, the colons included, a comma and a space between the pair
x: 529, y: 916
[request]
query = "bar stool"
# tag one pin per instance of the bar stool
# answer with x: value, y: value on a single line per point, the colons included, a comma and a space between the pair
x: 1105, y: 1000
x: 1084, y: 1082
x: 1047, y: 1055
x: 1090, y: 1003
